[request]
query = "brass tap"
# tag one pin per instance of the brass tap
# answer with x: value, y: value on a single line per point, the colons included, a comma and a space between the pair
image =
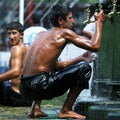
x: 88, y: 16
x: 114, y: 11
x: 100, y: 6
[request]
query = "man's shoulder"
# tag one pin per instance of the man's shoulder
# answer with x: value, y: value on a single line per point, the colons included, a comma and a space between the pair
x: 18, y: 47
x: 18, y: 50
x: 67, y: 31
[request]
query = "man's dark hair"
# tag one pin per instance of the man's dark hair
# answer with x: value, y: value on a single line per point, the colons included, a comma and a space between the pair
x: 36, y: 18
x: 57, y: 11
x: 15, y: 25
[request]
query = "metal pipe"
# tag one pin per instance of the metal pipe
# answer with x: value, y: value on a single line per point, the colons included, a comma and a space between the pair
x: 21, y: 11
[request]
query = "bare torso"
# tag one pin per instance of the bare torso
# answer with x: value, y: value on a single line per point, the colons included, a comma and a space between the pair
x: 16, y: 62
x: 44, y: 52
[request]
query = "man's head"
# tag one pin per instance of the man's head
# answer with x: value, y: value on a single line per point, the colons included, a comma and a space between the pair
x: 61, y: 16
x: 36, y: 18
x: 15, y: 32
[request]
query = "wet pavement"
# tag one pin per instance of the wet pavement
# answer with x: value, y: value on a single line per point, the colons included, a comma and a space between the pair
x: 20, y: 113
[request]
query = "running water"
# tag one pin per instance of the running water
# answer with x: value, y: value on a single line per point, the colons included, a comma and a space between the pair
x: 69, y: 52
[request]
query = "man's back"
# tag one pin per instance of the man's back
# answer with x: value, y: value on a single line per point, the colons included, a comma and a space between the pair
x: 49, y: 46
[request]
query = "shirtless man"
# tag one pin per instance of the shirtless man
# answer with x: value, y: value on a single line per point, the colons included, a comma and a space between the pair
x: 44, y: 77
x: 18, y: 51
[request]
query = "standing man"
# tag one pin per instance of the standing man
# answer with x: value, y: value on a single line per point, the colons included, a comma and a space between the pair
x: 44, y: 77
x: 31, y: 32
x: 10, y: 94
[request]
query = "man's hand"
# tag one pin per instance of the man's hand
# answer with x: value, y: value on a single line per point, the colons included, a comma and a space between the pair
x: 88, y: 56
x: 100, y: 16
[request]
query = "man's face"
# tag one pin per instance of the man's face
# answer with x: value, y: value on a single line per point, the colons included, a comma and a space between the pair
x: 14, y: 37
x: 68, y: 23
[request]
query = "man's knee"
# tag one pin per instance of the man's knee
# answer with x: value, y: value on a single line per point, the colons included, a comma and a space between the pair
x: 84, y: 75
x: 84, y: 71
x: 88, y: 71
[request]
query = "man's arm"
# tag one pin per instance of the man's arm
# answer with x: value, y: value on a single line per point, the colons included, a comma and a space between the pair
x: 86, y: 56
x: 15, y: 65
x: 92, y: 44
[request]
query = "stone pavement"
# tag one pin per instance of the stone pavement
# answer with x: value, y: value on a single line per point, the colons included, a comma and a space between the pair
x: 20, y: 113
x: 52, y: 115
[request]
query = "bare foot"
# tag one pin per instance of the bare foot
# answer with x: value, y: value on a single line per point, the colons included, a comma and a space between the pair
x: 37, y: 113
x: 71, y: 114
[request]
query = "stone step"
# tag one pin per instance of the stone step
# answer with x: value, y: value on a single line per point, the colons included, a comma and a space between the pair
x: 113, y: 116
x: 99, y: 112
x: 94, y: 109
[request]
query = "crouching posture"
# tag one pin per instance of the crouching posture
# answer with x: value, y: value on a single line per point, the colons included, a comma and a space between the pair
x: 44, y: 77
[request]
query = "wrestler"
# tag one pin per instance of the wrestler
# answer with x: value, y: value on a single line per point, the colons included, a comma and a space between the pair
x: 10, y: 94
x: 44, y: 77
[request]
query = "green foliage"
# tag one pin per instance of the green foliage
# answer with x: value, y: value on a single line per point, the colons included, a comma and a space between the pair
x: 58, y: 101
x: 89, y: 1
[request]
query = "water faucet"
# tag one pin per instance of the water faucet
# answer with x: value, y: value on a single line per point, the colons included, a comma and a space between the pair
x: 88, y: 14
x: 114, y: 11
